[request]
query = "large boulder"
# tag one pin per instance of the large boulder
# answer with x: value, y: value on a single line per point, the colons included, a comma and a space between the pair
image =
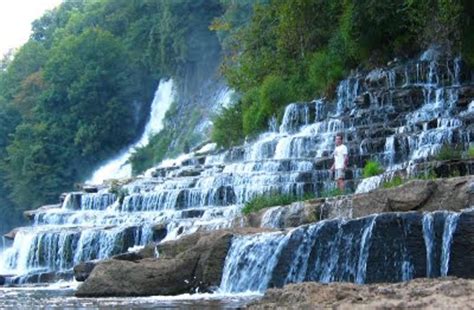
x: 149, y: 277
x: 192, y: 262
x: 83, y: 270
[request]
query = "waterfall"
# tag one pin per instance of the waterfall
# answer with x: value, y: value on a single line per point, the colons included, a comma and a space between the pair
x: 250, y: 262
x: 341, y: 250
x: 118, y: 167
x: 450, y: 225
x: 428, y: 236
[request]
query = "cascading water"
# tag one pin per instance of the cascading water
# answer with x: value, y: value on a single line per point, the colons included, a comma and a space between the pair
x: 118, y: 167
x: 339, y: 250
x: 399, y: 116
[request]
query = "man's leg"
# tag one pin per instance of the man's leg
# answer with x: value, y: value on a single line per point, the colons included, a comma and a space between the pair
x: 340, y: 184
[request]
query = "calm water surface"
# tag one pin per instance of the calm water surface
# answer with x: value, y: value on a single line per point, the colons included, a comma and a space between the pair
x: 61, y: 296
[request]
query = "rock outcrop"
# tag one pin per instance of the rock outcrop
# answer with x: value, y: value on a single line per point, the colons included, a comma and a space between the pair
x: 451, y: 194
x: 192, y: 263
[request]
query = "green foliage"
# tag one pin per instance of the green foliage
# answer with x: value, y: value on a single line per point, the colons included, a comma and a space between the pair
x: 153, y: 153
x: 372, y: 168
x: 311, y: 45
x: 260, y: 104
x: 76, y: 91
x: 263, y: 201
x: 428, y: 174
x: 470, y: 152
x: 332, y: 193
x: 448, y: 152
x: 325, y: 71
x: 227, y: 129
x: 394, y: 182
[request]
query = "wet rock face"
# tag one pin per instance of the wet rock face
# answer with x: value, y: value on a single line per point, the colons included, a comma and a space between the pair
x: 83, y: 270
x: 462, y: 248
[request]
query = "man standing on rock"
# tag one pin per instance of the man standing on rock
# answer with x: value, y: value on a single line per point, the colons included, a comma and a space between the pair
x: 341, y: 160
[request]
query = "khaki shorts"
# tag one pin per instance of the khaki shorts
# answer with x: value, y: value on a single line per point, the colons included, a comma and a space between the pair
x: 339, y: 174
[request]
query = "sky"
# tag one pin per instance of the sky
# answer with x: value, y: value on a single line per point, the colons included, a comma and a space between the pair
x: 16, y: 17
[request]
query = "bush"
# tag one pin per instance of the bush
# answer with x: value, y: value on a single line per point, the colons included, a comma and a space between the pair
x: 260, y: 104
x: 470, y: 152
x: 325, y: 70
x: 448, y: 152
x: 372, y: 168
x: 227, y: 130
x: 394, y: 182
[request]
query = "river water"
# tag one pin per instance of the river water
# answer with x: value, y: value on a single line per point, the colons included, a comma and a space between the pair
x: 61, y: 296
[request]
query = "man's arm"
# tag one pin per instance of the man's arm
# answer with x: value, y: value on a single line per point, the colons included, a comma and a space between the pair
x: 346, y: 161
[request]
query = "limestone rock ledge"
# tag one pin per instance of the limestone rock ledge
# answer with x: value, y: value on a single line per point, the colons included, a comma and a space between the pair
x: 451, y: 194
x: 441, y: 293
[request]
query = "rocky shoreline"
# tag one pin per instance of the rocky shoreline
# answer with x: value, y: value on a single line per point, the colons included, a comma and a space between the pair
x: 424, y: 293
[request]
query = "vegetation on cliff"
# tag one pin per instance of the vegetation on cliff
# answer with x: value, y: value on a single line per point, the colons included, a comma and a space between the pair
x: 297, y: 50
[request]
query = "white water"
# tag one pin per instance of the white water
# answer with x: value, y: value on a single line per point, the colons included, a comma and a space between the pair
x: 118, y: 167
x: 338, y: 250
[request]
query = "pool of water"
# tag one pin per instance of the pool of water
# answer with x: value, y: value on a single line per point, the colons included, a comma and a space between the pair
x: 61, y: 296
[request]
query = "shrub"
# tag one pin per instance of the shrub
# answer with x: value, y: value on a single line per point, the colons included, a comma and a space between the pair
x: 448, y: 152
x: 470, y: 152
x: 394, y: 182
x: 325, y: 70
x: 429, y: 174
x: 372, y: 168
x: 227, y: 130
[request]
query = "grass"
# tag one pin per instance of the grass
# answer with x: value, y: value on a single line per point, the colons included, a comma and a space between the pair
x: 263, y: 201
x: 332, y: 193
x: 394, y: 182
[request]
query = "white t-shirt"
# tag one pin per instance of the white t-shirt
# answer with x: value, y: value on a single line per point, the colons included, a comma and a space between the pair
x: 339, y: 155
